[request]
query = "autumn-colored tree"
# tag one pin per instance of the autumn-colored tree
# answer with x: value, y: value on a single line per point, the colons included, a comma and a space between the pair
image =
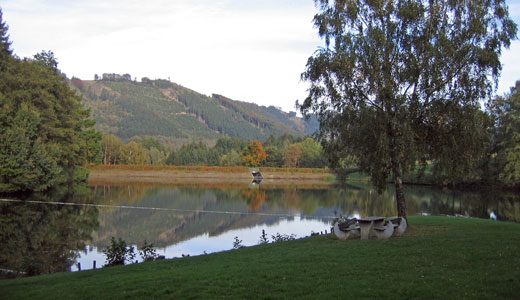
x: 254, y: 154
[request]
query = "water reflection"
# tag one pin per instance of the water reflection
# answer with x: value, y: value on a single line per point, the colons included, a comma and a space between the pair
x: 504, y: 205
x: 193, y: 219
x: 40, y: 239
x: 189, y: 212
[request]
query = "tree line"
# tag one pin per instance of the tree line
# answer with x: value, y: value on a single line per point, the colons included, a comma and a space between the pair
x: 282, y: 151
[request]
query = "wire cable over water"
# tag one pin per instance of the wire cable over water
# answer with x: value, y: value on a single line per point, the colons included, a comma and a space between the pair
x: 165, y: 209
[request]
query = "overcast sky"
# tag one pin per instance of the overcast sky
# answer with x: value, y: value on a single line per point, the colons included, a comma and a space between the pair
x: 246, y: 50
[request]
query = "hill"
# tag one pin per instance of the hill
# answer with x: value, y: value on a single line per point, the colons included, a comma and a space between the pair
x: 173, y: 113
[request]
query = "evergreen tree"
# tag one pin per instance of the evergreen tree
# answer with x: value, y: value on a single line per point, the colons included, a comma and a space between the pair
x: 42, y: 124
x: 47, y: 58
x: 91, y: 143
x: 5, y: 44
x: 24, y: 163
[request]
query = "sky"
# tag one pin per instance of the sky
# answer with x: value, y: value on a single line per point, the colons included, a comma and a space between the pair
x: 246, y: 50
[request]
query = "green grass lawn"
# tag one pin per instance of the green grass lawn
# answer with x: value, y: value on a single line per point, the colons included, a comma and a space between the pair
x: 439, y: 257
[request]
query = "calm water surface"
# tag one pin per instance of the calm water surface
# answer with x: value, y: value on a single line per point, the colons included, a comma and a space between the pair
x: 192, y: 220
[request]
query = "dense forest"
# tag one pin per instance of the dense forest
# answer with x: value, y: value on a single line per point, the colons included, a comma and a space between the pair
x: 176, y: 115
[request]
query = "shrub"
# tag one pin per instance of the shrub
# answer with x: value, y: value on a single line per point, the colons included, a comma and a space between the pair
x: 118, y: 252
x: 147, y: 252
x: 237, y: 243
x: 283, y: 237
x: 263, y: 238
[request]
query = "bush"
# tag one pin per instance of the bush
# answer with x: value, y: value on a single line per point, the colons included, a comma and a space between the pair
x: 283, y: 237
x: 263, y: 238
x: 237, y: 243
x: 147, y: 252
x: 118, y: 252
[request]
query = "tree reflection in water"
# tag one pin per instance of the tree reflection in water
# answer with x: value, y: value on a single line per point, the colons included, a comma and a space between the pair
x: 40, y: 239
x: 188, y: 208
x: 45, y: 238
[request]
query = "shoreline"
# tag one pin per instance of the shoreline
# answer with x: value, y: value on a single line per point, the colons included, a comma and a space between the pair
x: 204, y: 175
x: 441, y: 256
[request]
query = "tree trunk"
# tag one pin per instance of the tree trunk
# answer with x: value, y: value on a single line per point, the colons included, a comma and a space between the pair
x: 398, y: 181
x: 399, y: 196
x: 105, y: 156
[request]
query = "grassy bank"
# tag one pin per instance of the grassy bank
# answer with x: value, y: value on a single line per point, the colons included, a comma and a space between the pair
x: 439, y: 257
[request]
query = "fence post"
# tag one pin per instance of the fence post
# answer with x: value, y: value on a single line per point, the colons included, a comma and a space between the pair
x: 79, y: 267
x: 94, y: 264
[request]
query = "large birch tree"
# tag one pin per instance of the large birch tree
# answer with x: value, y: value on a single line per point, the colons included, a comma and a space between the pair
x: 399, y: 83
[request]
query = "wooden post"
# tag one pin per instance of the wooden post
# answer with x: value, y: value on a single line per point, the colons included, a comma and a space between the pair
x: 94, y: 264
x: 79, y: 267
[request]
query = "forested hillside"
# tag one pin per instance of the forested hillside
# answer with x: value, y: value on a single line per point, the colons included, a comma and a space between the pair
x: 175, y: 114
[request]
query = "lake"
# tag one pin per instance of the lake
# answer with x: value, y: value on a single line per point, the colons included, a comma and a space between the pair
x: 53, y: 232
